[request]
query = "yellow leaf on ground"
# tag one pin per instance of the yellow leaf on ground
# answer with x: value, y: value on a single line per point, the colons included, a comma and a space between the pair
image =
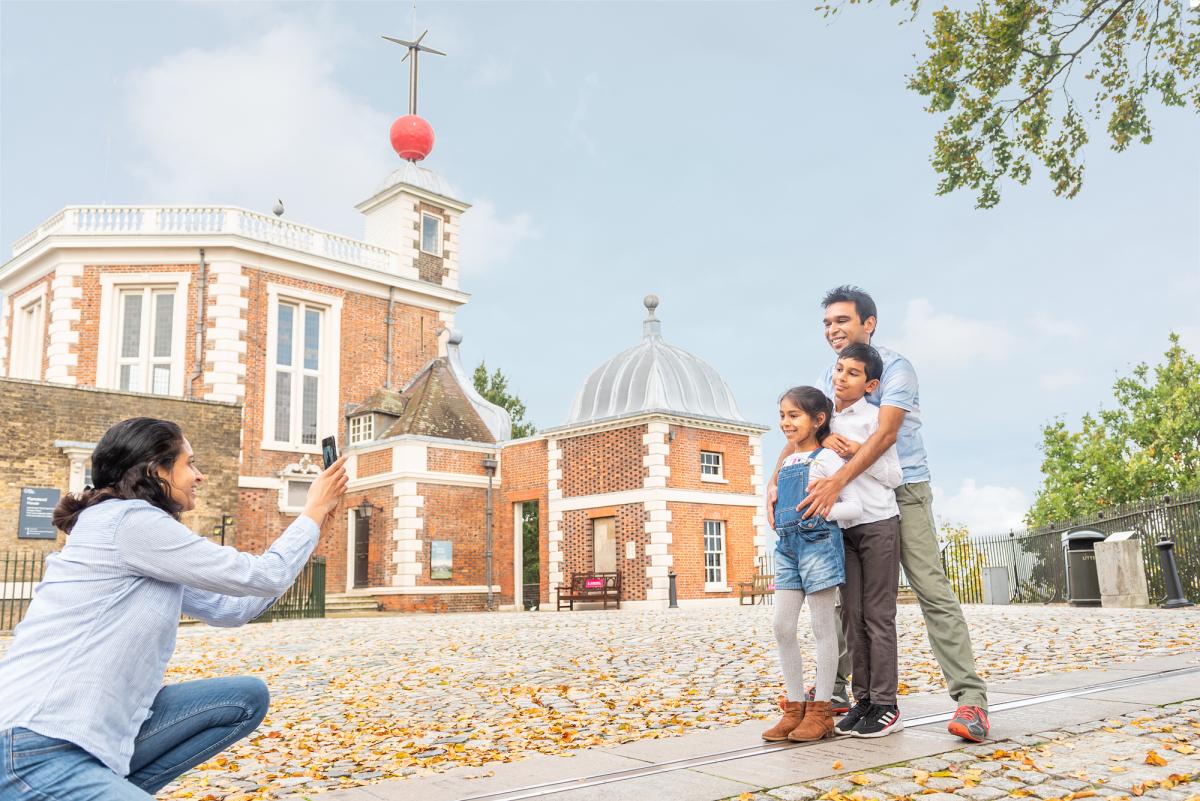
x: 837, y: 765
x: 1185, y: 749
x: 745, y: 797
x: 859, y: 779
x: 1152, y: 758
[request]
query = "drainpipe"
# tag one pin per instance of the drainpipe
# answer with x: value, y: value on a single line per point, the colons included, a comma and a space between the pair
x: 201, y: 292
x: 388, y: 352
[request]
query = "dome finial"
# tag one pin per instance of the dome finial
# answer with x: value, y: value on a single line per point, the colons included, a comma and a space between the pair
x: 652, y: 326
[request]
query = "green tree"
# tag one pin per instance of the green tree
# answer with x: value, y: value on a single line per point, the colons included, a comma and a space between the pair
x: 964, y: 562
x: 1149, y: 445
x: 494, y: 387
x: 1016, y: 80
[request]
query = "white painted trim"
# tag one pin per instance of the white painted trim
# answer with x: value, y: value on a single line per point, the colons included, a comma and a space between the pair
x: 451, y: 479
x: 460, y: 589
x: 259, y: 482
x: 518, y: 554
x: 111, y: 285
x: 421, y: 233
x: 37, y: 349
x: 669, y: 494
x: 146, y: 250
x: 328, y: 411
x: 652, y: 416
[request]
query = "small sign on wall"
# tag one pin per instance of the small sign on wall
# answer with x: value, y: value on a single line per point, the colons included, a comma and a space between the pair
x: 37, y: 507
x: 441, y: 559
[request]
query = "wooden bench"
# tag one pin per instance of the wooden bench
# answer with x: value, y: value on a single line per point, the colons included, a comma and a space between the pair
x: 757, y: 589
x: 590, y: 587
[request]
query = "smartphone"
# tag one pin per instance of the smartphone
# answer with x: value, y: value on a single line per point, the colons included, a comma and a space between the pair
x: 329, y: 452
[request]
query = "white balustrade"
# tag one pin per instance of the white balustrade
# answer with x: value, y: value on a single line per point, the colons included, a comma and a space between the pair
x: 167, y: 220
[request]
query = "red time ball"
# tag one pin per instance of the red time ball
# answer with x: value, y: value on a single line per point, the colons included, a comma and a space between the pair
x: 412, y: 137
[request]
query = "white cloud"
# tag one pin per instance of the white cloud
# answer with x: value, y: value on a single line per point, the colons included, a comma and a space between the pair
x: 1056, y: 382
x: 1056, y: 327
x: 987, y: 509
x: 933, y: 340
x: 488, y: 240
x: 491, y: 72
x: 251, y: 122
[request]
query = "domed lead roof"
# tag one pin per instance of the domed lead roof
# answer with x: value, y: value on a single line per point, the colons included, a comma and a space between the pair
x: 654, y: 376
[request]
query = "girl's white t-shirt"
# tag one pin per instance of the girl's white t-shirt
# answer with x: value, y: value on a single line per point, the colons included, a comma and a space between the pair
x: 848, y: 507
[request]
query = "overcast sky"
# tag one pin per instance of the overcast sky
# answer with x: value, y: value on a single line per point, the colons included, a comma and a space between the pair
x: 737, y: 159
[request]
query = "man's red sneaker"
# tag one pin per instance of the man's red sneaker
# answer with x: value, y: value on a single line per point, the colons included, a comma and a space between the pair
x: 970, y: 723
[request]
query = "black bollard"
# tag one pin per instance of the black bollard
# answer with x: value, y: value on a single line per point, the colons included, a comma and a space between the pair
x: 671, y: 593
x: 1166, y: 557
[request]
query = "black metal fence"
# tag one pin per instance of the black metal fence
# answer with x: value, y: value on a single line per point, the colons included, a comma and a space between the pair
x: 305, y: 599
x: 1035, y: 558
x: 19, y: 573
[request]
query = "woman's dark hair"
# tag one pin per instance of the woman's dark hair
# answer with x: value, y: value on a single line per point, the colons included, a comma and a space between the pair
x: 813, y: 402
x: 125, y: 466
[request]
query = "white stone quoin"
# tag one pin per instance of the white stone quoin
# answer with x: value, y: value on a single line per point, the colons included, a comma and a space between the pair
x: 225, y: 339
x: 64, y: 312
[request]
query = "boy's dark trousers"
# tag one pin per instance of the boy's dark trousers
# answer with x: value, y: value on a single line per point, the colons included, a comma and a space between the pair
x: 869, y: 607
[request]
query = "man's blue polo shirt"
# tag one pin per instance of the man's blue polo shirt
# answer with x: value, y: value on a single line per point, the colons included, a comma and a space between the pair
x: 897, y: 387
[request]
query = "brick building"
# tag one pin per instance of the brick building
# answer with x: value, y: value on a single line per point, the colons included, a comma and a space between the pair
x: 310, y: 333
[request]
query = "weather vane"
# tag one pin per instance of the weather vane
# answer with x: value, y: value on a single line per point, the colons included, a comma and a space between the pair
x: 412, y: 137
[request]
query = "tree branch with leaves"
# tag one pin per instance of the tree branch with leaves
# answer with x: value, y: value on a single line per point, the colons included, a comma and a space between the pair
x: 494, y: 387
x: 1006, y: 74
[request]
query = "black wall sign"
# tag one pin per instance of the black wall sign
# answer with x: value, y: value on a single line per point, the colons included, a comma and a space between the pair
x: 37, y: 505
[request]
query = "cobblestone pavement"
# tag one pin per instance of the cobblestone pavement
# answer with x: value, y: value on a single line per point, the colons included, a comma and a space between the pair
x: 1153, y: 755
x: 361, y: 700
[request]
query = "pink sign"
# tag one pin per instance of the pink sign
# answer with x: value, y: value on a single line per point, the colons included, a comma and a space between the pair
x: 593, y: 583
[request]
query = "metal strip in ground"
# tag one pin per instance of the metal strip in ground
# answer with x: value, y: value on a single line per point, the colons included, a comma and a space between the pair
x: 562, y: 785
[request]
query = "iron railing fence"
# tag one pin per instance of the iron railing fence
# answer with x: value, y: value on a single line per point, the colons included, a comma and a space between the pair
x: 1035, y: 558
x: 305, y: 599
x: 19, y: 574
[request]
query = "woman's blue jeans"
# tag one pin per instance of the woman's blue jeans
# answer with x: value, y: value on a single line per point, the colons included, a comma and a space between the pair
x: 189, y: 723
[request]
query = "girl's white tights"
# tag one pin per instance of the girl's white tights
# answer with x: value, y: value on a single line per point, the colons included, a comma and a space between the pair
x: 821, y: 605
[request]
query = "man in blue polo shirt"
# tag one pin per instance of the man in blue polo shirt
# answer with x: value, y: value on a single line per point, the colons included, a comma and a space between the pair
x: 851, y: 316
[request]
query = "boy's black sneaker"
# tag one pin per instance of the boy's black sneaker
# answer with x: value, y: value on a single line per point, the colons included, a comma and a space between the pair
x: 845, y: 726
x: 839, y: 702
x: 879, y: 721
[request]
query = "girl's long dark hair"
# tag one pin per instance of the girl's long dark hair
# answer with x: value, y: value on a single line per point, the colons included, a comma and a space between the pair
x: 125, y: 466
x: 813, y: 402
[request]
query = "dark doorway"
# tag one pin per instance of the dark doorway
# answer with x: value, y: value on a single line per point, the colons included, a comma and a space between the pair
x: 531, y: 572
x: 362, y: 551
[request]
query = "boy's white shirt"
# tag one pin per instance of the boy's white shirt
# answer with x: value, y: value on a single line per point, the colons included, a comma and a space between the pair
x: 877, y: 484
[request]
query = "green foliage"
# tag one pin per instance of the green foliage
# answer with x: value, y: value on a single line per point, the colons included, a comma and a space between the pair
x: 964, y: 562
x: 530, y: 554
x: 494, y: 387
x: 1148, y: 446
x: 1006, y: 77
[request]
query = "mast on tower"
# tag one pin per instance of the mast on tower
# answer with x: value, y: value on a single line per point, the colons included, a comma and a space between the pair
x: 412, y: 136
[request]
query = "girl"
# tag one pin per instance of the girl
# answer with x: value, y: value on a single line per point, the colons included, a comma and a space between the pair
x: 809, y: 563
x: 83, y: 713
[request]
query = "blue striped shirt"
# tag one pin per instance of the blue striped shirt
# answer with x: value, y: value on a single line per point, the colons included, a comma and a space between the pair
x: 88, y: 659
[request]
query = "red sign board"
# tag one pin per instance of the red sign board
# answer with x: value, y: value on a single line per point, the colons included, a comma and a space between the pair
x: 593, y: 583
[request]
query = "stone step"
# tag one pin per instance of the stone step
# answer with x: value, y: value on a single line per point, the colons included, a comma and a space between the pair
x: 342, y: 604
x: 906, y: 596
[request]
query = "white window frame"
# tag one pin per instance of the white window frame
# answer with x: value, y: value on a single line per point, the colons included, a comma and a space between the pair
x: 721, y: 582
x: 717, y: 477
x: 327, y: 368
x: 286, y: 481
x: 108, y: 373
x: 27, y: 349
x: 437, y: 239
x: 362, y: 428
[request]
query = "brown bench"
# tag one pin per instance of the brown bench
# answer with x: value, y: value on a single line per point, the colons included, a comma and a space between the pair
x: 590, y: 587
x: 757, y: 589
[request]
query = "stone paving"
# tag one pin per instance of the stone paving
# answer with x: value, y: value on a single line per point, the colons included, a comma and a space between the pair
x: 357, y: 701
x: 1153, y: 754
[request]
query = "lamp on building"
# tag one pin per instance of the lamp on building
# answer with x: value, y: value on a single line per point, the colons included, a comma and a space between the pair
x: 489, y: 466
x: 219, y: 528
x: 365, y: 509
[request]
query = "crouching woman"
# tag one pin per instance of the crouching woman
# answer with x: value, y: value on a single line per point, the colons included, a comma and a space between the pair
x: 83, y: 711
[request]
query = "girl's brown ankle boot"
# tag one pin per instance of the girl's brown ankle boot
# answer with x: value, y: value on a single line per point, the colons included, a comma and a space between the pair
x: 793, y: 716
x: 816, y: 725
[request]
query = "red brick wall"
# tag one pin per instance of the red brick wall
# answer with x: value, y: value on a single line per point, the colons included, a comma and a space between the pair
x: 374, y: 463
x: 523, y: 469
x: 687, y: 546
x: 456, y: 602
x: 457, y: 514
x: 447, y: 460
x: 610, y: 461
x: 630, y: 525
x: 684, y: 459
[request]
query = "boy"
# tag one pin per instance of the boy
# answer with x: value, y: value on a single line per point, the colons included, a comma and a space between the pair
x: 872, y: 545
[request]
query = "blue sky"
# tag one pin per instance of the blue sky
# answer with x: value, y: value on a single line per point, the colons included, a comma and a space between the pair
x: 737, y: 159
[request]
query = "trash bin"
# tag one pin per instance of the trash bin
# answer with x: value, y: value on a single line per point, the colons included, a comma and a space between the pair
x: 1079, y: 555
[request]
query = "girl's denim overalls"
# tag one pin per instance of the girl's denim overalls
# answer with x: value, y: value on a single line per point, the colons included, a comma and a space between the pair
x: 809, y: 554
